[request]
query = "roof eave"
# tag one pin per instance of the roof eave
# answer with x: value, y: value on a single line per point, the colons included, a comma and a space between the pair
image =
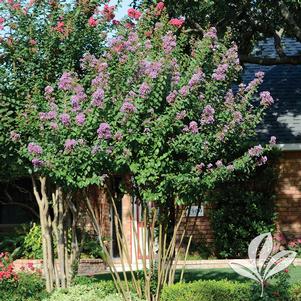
x: 290, y: 147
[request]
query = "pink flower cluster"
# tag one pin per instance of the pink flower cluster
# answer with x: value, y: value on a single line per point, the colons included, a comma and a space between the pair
x: 266, y: 99
x: 177, y: 22
x: 169, y: 42
x: 34, y: 149
x: 207, y: 115
x: 104, y: 131
x: 255, y: 151
x: 134, y: 14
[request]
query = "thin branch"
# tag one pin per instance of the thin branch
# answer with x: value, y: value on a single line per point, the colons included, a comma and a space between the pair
x: 290, y: 19
x: 21, y: 205
x: 288, y: 60
x: 278, y: 44
x: 35, y: 190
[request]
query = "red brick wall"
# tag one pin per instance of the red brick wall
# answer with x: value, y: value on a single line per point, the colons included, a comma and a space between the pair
x: 198, y: 227
x: 288, y: 190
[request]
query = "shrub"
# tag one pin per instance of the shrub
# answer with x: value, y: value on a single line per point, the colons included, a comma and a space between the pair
x: 26, y: 287
x: 84, y: 292
x: 255, y: 198
x: 33, y: 243
x: 208, y: 291
x: 295, y: 292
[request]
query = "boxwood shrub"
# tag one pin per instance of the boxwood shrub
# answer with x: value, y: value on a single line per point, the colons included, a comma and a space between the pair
x: 210, y: 290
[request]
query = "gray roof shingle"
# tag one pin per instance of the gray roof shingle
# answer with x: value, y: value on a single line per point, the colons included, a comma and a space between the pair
x: 283, y: 119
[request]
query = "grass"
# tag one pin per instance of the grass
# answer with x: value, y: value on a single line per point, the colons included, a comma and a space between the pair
x: 217, y: 274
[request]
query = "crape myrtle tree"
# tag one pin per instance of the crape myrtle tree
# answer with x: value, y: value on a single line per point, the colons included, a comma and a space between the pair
x: 169, y: 121
x: 39, y: 40
x: 147, y: 109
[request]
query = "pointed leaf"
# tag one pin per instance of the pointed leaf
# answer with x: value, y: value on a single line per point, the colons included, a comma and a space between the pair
x: 284, y: 259
x: 265, y: 252
x: 253, y: 249
x: 245, y: 270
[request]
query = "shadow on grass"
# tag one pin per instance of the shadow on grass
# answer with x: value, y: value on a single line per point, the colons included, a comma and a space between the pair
x: 210, y: 274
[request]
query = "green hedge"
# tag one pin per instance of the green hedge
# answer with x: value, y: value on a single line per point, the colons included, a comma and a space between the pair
x: 210, y: 290
x: 224, y: 290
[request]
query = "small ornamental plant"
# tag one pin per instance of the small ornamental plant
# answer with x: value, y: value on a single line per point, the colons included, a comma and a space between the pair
x: 8, y: 277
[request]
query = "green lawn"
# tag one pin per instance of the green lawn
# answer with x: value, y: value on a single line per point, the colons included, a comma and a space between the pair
x: 227, y: 273
x: 217, y: 274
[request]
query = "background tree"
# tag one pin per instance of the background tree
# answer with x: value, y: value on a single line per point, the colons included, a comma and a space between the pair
x: 249, y: 22
x: 39, y: 40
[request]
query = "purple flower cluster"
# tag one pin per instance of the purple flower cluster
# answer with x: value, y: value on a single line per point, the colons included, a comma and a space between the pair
x: 231, y: 57
x: 169, y: 42
x: 48, y: 90
x: 207, y: 115
x: 175, y: 77
x: 148, y: 44
x: 34, y: 149
x: 14, y: 136
x: 230, y: 167
x: 211, y: 33
x: 95, y: 149
x: 273, y: 140
x: 79, y: 96
x: 144, y: 89
x: 47, y: 116
x: 54, y: 125
x: 37, y: 162
x: 80, y: 118
x: 88, y: 60
x: 104, y: 131
x: 171, y: 97
x: 255, y: 151
x: 181, y: 115
x: 100, y: 80
x: 219, y: 163
x: 237, y: 117
x: 66, y: 81
x: 70, y: 144
x: 222, y: 134
x: 196, y: 78
x: 193, y: 127
x: 132, y: 42
x: 262, y: 160
x: 98, y: 97
x: 200, y: 167
x: 256, y: 81
x: 220, y: 72
x: 184, y: 91
x: 151, y: 69
x: 65, y: 119
x: 266, y: 99
x: 128, y: 107
x: 118, y: 136
x: 229, y: 98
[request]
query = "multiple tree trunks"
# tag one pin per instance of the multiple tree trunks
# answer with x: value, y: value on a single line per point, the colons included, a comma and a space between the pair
x: 58, y: 217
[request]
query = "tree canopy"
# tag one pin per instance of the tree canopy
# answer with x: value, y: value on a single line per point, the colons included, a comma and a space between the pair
x: 248, y: 20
